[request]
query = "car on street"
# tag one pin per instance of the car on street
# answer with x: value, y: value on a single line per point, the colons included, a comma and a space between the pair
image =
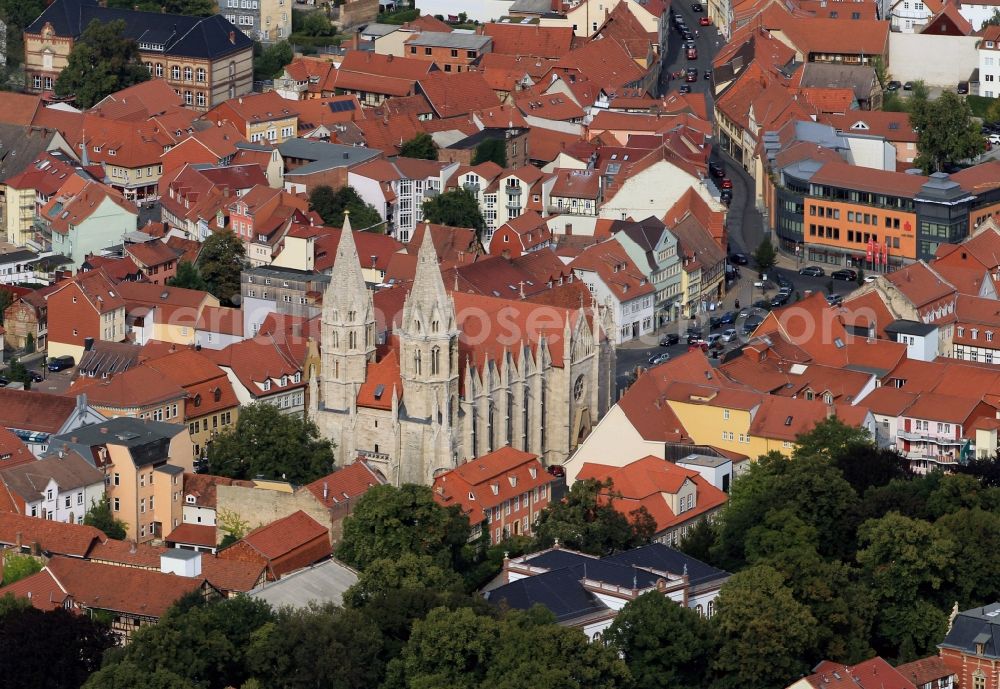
x: 692, y: 53
x: 871, y: 278
x: 696, y: 7
x: 669, y: 339
x: 727, y: 183
x: 846, y: 274
x: 834, y: 299
x: 728, y: 318
x: 963, y: 88
x: 556, y: 470
x: 751, y: 324
x: 691, y: 76
x: 780, y: 299
x: 726, y: 196
x: 908, y: 86
x: 739, y: 259
x: 713, y: 339
x: 729, y: 334
x: 35, y: 376
x: 688, y: 36
x: 993, y: 138
x: 4, y: 382
x: 704, y: 21
x: 892, y: 86
x: 684, y: 88
x: 61, y: 363
x: 658, y: 359
x: 708, y: 75
x: 692, y: 338
x: 716, y: 170
x: 812, y: 271
x: 714, y: 322
x: 764, y: 304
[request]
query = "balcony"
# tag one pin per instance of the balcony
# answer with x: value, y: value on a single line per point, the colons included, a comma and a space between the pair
x: 925, y: 438
x: 513, y: 191
x: 471, y: 186
x: 376, y: 456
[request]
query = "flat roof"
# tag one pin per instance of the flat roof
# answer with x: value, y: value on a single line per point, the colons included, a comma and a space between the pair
x: 907, y: 327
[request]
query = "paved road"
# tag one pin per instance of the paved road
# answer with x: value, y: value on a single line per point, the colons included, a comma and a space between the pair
x: 708, y: 41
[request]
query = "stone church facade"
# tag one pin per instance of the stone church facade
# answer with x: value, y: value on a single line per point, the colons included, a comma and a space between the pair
x: 459, y: 375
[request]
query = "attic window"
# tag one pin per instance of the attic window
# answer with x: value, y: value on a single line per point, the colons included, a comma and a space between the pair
x: 989, y: 44
x: 513, y: 481
x: 838, y: 343
x: 217, y: 394
x: 97, y: 149
x: 533, y: 472
x: 267, y: 384
x: 197, y: 400
x: 788, y: 421
x: 112, y: 152
x: 472, y: 496
x: 495, y: 487
x: 190, y: 499
x: 379, y: 391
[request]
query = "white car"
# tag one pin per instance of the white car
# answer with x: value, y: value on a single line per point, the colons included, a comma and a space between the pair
x: 871, y: 278
x: 994, y: 139
x: 729, y: 335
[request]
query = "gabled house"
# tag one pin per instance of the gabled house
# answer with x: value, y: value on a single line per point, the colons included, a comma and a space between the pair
x: 61, y: 486
x: 284, y: 546
x: 36, y: 418
x: 501, y: 493
x: 84, y: 217
x: 653, y: 250
x: 620, y: 286
x: 267, y: 369
x: 88, y: 306
x: 258, y: 117
x: 971, y: 649
x: 523, y: 234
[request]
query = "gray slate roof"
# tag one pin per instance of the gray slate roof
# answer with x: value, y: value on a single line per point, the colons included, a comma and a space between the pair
x: 978, y: 626
x: 148, y: 441
x: 324, y: 155
x: 70, y: 472
x: 322, y: 583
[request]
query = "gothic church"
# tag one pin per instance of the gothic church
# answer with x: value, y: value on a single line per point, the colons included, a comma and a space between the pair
x: 458, y: 375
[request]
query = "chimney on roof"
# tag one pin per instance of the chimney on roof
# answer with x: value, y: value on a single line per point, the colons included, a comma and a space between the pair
x: 388, y: 58
x: 326, y: 490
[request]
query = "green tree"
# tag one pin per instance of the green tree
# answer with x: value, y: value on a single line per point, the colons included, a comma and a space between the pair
x: 331, y: 206
x: 407, y: 571
x: 494, y: 150
x: 191, y: 8
x: 317, y: 647
x: 101, y: 517
x: 699, y: 540
x: 270, y: 61
x: 220, y: 264
x: 904, y: 562
x: 663, y: 643
x: 317, y: 24
x: 456, y: 208
x: 188, y: 277
x: 828, y: 438
x: 946, y: 132
x: 389, y: 521
x: 17, y: 14
x: 809, y: 487
x: 420, y: 146
x: 954, y: 492
x: 128, y: 675
x: 17, y: 371
x: 764, y: 256
x: 17, y: 567
x: 586, y: 520
x: 265, y: 442
x: 992, y: 21
x: 54, y: 649
x: 971, y: 576
x: 101, y: 62
x: 765, y: 634
x: 29, y: 344
x: 9, y: 603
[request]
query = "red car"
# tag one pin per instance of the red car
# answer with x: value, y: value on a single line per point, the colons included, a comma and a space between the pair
x: 727, y: 183
x: 692, y: 53
x: 704, y: 21
x: 693, y: 76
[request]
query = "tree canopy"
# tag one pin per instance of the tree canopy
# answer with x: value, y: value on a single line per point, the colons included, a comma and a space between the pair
x: 101, y: 517
x: 189, y: 277
x: 587, y: 520
x: 388, y: 522
x: 764, y: 256
x: 269, y: 62
x: 17, y: 567
x: 946, y: 132
x: 493, y: 150
x: 456, y: 208
x: 101, y: 62
x: 220, y: 264
x: 265, y: 442
x: 420, y: 146
x: 331, y: 206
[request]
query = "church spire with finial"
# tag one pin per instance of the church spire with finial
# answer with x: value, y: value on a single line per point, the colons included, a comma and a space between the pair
x: 347, y: 283
x: 428, y: 284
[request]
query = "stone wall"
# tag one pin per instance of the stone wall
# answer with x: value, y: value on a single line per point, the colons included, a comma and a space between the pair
x: 259, y: 506
x: 954, y: 58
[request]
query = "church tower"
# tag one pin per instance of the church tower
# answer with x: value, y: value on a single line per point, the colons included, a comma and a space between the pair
x: 429, y: 343
x: 348, y: 326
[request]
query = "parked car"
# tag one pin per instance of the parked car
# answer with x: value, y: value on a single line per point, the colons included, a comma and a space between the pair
x: 696, y: 7
x: 728, y: 318
x: 739, y: 259
x: 714, y: 322
x: 812, y: 271
x: 688, y: 36
x: 61, y: 363
x: 713, y: 339
x: 35, y: 376
x: 871, y: 278
x: 834, y: 299
x: 963, y: 88
x: 658, y: 359
x: 557, y: 470
x: 751, y: 324
x: 994, y: 139
x: 892, y: 86
x: 708, y: 75
x: 727, y: 183
x: 780, y: 299
x: 4, y: 382
x: 692, y: 338
x: 716, y: 170
x: 692, y: 53
x: 729, y: 334
x: 848, y: 274
x: 704, y: 21
x: 691, y: 76
x: 908, y: 86
x: 764, y: 304
x: 669, y: 339
x: 726, y: 196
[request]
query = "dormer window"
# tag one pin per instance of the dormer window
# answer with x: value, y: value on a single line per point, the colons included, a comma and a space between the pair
x: 267, y: 385
x: 533, y: 472
x: 284, y: 381
x: 513, y: 481
x: 298, y: 376
x: 495, y: 487
x: 472, y: 496
x: 190, y: 499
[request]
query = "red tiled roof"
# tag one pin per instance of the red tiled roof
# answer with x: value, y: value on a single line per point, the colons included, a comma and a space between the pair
x: 13, y: 451
x: 193, y: 534
x: 530, y: 39
x: 925, y: 670
x: 74, y: 540
x: 457, y: 93
x: 615, y: 269
x: 485, y: 482
x: 345, y: 484
x: 871, y: 674
x: 34, y: 411
x: 120, y: 589
x: 894, y: 126
x: 646, y: 483
x: 383, y: 377
x: 285, y: 535
x: 921, y: 284
x: 203, y: 487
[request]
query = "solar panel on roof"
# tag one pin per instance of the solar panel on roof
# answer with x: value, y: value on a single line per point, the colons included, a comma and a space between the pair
x: 342, y: 106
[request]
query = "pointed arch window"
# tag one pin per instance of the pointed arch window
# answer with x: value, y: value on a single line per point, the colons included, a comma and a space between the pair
x: 335, y: 338
x: 416, y: 362
x: 352, y: 340
x: 435, y: 326
x: 416, y: 326
x: 368, y: 336
x: 351, y: 315
x: 435, y: 360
